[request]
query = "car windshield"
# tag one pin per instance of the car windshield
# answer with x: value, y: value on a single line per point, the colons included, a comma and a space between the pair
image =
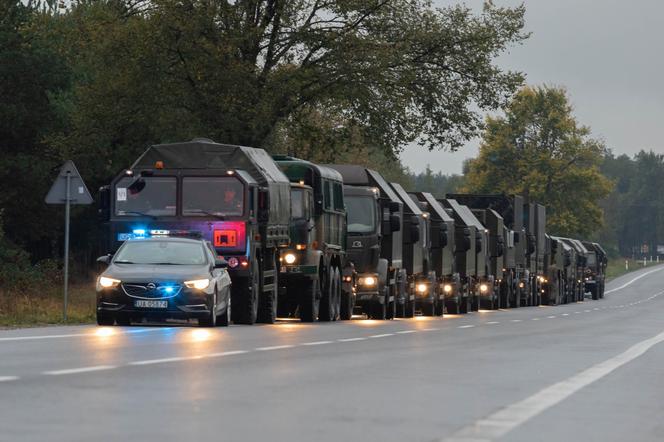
x: 361, y: 214
x: 160, y: 252
x: 299, y: 204
x: 216, y: 196
x: 145, y: 196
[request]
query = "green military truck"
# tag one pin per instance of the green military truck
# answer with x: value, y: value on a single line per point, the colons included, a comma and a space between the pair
x: 311, y: 266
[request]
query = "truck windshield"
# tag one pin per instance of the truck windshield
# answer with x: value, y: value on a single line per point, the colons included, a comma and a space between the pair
x: 160, y: 252
x: 151, y: 196
x: 220, y: 196
x: 361, y: 214
x: 299, y: 204
x: 592, y: 259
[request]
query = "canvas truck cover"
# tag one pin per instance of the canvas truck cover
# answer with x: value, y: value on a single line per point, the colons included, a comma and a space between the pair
x: 434, y: 207
x: 355, y: 175
x: 208, y: 155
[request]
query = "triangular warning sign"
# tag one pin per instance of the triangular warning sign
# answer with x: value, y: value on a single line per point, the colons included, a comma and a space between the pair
x: 78, y: 192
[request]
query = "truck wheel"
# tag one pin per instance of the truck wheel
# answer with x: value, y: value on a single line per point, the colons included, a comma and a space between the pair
x: 453, y: 307
x: 309, y: 299
x: 326, y: 312
x: 245, y: 299
x: 594, y: 293
x: 105, y: 318
x: 464, y: 306
x: 391, y: 310
x: 428, y: 309
x: 224, y: 319
x: 377, y: 311
x: 346, y: 307
x: 409, y: 308
x: 337, y: 294
x: 267, y: 310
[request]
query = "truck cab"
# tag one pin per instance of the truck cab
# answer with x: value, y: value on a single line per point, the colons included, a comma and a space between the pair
x: 232, y: 196
x: 374, y: 238
x: 311, y: 267
x: 594, y: 273
x: 495, y: 253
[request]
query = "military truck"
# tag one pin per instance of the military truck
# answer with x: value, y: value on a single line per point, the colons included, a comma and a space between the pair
x: 374, y: 243
x: 465, y: 253
x: 234, y: 196
x: 495, y: 254
x: 553, y: 284
x: 579, y: 264
x: 535, y: 224
x: 416, y: 254
x: 311, y: 266
x: 596, y: 260
x: 514, y: 284
x: 442, y: 254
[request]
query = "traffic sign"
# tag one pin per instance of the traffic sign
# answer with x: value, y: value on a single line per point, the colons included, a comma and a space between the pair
x: 68, y: 189
x: 78, y: 192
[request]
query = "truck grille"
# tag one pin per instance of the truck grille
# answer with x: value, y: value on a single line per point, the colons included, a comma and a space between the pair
x: 151, y: 290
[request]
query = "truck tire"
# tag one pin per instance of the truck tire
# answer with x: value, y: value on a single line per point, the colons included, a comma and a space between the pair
x: 391, y: 309
x: 428, y: 308
x: 105, y: 319
x: 453, y: 307
x: 326, y: 312
x: 337, y: 294
x: 594, y: 293
x: 244, y: 297
x: 377, y: 311
x: 464, y: 306
x: 309, y: 299
x: 267, y: 309
x: 409, y: 307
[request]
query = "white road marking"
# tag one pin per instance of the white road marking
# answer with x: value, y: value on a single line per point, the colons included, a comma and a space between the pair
x: 384, y: 335
x: 565, y: 314
x: 80, y: 370
x: 405, y: 332
x: 493, y: 322
x: 466, y: 326
x: 550, y: 317
x: 535, y: 319
x: 507, y: 419
x: 316, y: 343
x: 274, y: 347
x: 352, y: 339
x: 74, y: 335
x: 8, y: 378
x: 227, y: 353
x: 586, y: 311
x: 633, y: 280
x: 431, y: 329
x: 157, y: 361
x: 516, y: 320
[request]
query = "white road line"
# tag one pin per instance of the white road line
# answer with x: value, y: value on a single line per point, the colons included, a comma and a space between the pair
x: 633, y: 280
x: 565, y: 314
x: 576, y: 313
x: 466, y: 326
x: 73, y: 335
x: 274, y: 347
x: 493, y: 322
x: 384, y: 335
x: 227, y: 353
x: 352, y: 339
x: 431, y: 329
x: 516, y: 320
x: 316, y: 343
x: 80, y: 370
x: 535, y: 319
x: 157, y: 361
x: 507, y: 419
x: 9, y: 378
x: 550, y: 317
x: 405, y: 332
x: 586, y: 311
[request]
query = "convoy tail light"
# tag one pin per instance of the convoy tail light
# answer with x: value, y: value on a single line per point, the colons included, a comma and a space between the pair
x: 159, y: 165
x: 198, y: 284
x: 233, y: 262
x: 108, y: 282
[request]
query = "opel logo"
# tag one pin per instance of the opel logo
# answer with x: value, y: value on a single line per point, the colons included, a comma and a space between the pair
x: 151, y: 286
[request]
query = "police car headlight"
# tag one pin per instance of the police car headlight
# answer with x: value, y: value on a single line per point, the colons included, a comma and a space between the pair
x: 108, y: 282
x: 447, y: 288
x: 198, y: 284
x: 368, y: 281
x: 421, y: 288
x: 290, y: 258
x: 484, y: 288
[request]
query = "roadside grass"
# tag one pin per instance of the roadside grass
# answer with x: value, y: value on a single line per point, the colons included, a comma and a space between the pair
x: 616, y: 267
x: 34, y: 307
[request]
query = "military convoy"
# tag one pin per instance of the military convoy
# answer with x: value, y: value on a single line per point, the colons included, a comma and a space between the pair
x: 325, y: 242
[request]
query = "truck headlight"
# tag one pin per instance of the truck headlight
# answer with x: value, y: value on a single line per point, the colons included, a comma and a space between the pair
x: 484, y: 288
x: 368, y: 281
x: 290, y: 258
x: 421, y: 288
x: 108, y: 282
x: 198, y: 284
x: 447, y: 288
x: 522, y: 285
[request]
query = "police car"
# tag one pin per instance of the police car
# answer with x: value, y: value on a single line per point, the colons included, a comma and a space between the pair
x: 160, y: 277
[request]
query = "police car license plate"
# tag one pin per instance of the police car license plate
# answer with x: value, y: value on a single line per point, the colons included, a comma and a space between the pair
x: 145, y: 303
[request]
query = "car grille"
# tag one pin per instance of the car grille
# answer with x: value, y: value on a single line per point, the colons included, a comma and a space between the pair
x: 151, y: 290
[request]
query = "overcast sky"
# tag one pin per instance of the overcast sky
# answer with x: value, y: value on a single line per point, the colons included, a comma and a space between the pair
x: 608, y: 54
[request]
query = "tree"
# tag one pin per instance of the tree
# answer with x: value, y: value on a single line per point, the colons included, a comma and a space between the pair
x: 539, y: 150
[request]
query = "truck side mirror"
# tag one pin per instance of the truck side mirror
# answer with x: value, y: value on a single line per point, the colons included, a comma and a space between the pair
x: 414, y: 231
x: 478, y: 242
x: 516, y: 237
x: 500, y: 247
x: 104, y: 207
x: 395, y: 223
x: 464, y: 246
x: 443, y: 235
x: 395, y: 206
x: 531, y: 244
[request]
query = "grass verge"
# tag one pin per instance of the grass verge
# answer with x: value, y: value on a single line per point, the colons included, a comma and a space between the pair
x: 44, y: 307
x: 616, y: 267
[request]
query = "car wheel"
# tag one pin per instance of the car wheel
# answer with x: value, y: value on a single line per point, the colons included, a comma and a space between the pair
x: 211, y: 319
x: 105, y: 318
x: 123, y: 320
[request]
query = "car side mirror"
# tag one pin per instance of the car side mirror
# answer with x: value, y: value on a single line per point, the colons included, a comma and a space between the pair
x: 220, y: 263
x: 106, y: 259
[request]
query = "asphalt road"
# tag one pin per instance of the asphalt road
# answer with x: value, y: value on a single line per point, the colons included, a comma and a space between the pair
x: 588, y: 371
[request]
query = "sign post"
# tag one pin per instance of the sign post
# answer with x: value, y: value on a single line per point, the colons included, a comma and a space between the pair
x: 61, y: 193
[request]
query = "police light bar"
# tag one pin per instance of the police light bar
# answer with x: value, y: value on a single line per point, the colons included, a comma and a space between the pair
x: 179, y: 233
